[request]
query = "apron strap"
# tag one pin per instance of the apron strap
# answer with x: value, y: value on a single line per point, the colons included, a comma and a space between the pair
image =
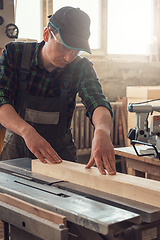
x: 24, y: 71
x: 26, y: 59
x: 67, y: 79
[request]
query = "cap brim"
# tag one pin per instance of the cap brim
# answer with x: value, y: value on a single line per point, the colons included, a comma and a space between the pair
x: 75, y: 42
x: 72, y: 41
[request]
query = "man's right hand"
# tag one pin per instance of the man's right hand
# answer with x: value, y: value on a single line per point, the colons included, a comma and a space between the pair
x: 40, y: 147
x: 35, y: 142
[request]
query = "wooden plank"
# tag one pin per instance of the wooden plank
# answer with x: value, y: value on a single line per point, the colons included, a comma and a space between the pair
x: 124, y: 101
x: 116, y: 126
x: 83, y: 130
x: 82, y: 119
x: 1, y: 230
x: 120, y: 129
x: 123, y: 122
x: 147, y: 92
x: 30, y: 208
x: 151, y: 176
x: 112, y: 125
x: 87, y: 135
x: 76, y: 130
x: 84, y: 151
x: 124, y: 127
x: 123, y: 185
x: 91, y: 134
x: 2, y: 134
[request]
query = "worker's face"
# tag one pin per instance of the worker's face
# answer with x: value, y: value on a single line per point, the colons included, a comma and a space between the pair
x: 55, y: 52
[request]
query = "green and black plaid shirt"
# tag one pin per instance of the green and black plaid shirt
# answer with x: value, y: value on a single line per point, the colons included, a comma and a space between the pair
x: 42, y: 83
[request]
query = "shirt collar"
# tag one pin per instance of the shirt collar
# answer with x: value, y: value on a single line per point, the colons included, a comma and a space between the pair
x: 36, y: 59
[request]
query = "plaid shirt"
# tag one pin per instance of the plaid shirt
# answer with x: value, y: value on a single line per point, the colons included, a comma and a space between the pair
x: 42, y: 83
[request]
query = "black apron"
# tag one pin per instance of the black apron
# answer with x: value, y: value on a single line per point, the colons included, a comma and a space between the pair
x: 47, y: 115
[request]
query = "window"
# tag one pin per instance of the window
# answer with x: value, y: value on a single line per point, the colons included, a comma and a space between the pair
x: 28, y: 19
x: 92, y: 8
x: 129, y: 26
x: 117, y: 26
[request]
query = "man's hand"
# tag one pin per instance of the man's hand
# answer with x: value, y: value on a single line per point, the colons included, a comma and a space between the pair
x: 102, y: 153
x: 102, y: 149
x: 36, y: 143
x: 40, y: 147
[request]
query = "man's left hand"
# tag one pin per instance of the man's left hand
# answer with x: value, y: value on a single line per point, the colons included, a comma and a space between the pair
x: 102, y: 153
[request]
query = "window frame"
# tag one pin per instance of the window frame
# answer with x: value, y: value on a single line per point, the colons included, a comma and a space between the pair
x: 101, y: 52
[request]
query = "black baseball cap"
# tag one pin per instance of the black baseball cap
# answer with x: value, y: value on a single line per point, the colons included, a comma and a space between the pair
x: 73, y: 26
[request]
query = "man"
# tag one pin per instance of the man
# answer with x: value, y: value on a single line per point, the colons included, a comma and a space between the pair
x: 37, y: 109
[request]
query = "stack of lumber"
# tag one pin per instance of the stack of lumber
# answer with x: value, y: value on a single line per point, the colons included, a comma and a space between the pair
x: 119, y: 129
x: 83, y: 130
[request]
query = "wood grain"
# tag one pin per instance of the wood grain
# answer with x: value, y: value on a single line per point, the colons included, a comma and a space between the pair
x: 30, y: 208
x: 123, y: 185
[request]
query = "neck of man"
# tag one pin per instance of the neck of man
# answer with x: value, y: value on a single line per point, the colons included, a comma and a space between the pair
x: 45, y: 62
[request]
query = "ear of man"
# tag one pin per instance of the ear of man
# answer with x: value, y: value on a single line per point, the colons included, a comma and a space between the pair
x: 46, y: 34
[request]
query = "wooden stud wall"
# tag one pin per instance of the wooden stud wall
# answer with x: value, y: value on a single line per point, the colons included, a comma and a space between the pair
x: 83, y: 130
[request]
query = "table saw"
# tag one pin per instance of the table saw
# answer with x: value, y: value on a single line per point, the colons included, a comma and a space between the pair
x: 90, y: 214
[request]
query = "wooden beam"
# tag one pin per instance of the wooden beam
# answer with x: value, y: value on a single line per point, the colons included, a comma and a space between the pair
x: 123, y: 185
x: 47, y: 9
x: 30, y: 208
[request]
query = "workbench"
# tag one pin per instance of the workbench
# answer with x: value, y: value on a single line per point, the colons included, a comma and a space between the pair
x: 142, y: 166
x: 90, y: 214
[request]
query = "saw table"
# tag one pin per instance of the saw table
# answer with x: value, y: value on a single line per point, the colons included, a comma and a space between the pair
x: 90, y: 214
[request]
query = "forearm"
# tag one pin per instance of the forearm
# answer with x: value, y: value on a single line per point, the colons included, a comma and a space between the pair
x: 12, y: 121
x: 102, y: 119
x: 102, y: 148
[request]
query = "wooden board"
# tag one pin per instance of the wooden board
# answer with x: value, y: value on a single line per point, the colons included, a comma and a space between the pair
x: 2, y: 135
x: 123, y: 185
x: 30, y: 208
x: 147, y: 92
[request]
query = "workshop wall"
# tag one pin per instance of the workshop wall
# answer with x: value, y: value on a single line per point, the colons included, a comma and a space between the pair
x: 116, y: 76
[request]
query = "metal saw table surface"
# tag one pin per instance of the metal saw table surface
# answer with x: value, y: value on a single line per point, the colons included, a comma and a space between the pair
x: 86, y: 207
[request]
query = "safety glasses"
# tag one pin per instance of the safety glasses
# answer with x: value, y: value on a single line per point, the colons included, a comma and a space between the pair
x: 62, y: 48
